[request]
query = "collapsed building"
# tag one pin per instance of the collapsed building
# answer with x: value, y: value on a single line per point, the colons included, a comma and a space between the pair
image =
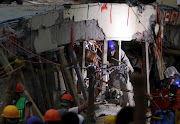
x: 53, y: 47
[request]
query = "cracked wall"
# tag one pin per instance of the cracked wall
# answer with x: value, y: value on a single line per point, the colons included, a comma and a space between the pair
x: 52, y: 30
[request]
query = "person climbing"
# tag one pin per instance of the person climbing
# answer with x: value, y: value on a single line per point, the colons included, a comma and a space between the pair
x: 10, y: 115
x: 117, y: 79
x: 23, y: 105
x: 52, y: 116
x: 67, y: 103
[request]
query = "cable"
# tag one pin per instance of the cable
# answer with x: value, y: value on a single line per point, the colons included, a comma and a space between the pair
x: 31, y: 52
x: 96, y: 46
x: 17, y: 56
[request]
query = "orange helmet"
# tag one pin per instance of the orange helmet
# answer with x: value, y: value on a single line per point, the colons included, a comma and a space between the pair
x: 52, y: 115
x: 67, y: 97
x: 18, y: 88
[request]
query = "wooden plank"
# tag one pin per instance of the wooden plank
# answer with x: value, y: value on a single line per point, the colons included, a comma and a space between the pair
x: 67, y: 76
x: 78, y: 71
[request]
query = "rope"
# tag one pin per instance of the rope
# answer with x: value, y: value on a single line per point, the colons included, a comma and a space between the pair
x: 12, y: 71
x: 96, y: 46
x: 31, y: 52
x: 17, y: 56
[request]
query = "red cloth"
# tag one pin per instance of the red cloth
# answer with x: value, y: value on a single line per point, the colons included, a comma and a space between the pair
x: 162, y: 103
x: 177, y: 101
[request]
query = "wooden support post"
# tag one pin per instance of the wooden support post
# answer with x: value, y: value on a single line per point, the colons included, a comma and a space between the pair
x: 8, y: 96
x: 105, y: 51
x: 50, y: 78
x: 67, y: 76
x: 30, y: 99
x: 139, y: 88
x: 91, y: 75
x: 78, y: 71
x: 42, y: 77
x: 147, y: 68
x: 37, y: 88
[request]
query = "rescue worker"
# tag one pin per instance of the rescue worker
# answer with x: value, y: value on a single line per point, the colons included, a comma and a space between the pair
x: 10, y: 114
x: 173, y: 75
x: 23, y: 105
x: 124, y: 83
x: 110, y: 119
x: 67, y: 103
x: 52, y: 116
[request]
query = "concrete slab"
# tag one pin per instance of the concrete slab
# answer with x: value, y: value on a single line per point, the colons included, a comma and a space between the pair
x: 10, y: 12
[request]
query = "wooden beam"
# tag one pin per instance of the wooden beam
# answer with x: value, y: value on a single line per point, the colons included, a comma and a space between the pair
x: 36, y: 87
x: 78, y: 71
x: 67, y: 76
x: 172, y: 52
x: 147, y: 68
x: 42, y: 77
x: 104, y: 61
x: 91, y: 98
x: 139, y: 88
x: 29, y: 98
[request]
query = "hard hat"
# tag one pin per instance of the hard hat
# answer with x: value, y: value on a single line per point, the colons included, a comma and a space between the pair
x: 33, y: 120
x: 18, y: 88
x: 111, y: 46
x: 10, y: 111
x: 67, y: 97
x: 170, y: 71
x: 110, y: 119
x: 52, y: 115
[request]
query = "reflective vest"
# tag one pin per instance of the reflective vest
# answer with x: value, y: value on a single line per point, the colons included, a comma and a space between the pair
x: 20, y: 104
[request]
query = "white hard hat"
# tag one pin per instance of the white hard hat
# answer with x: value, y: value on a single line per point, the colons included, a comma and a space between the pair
x: 170, y: 71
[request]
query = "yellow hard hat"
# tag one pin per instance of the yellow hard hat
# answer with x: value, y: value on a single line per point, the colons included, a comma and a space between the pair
x: 10, y: 111
x: 110, y: 119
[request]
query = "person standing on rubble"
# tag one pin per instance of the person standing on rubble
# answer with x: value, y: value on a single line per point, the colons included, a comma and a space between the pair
x: 67, y: 103
x: 125, y: 97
